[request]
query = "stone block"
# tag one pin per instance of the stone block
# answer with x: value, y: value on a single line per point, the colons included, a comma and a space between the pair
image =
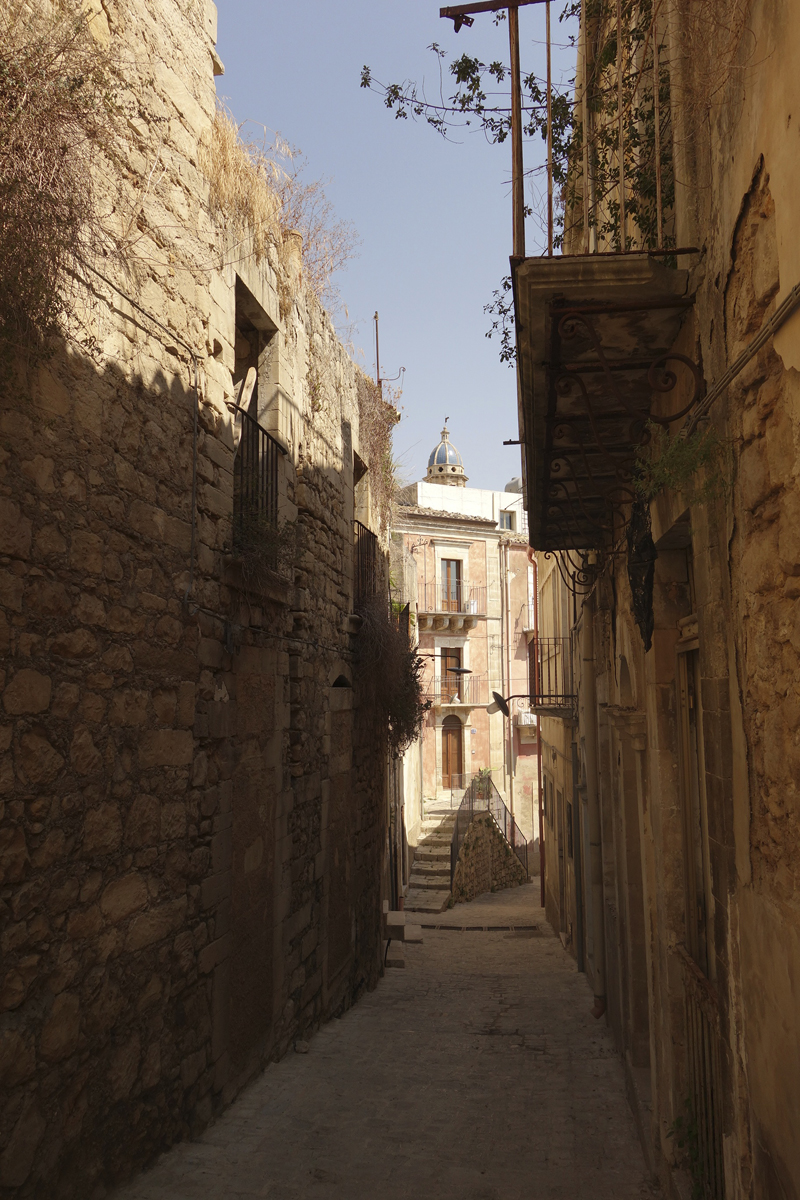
x: 80, y: 643
x: 215, y: 889
x: 84, y: 756
x: 28, y: 692
x: 15, y: 530
x: 213, y: 954
x: 13, y: 854
x: 17, y: 1158
x: 143, y: 822
x: 156, y: 924
x: 37, y: 760
x: 166, y: 748
x: 128, y: 708
x: 102, y: 830
x: 86, y: 552
x: 61, y: 1029
x: 123, y: 897
x: 221, y: 851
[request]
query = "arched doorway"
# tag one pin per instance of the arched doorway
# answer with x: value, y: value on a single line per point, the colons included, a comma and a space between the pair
x: 452, y: 750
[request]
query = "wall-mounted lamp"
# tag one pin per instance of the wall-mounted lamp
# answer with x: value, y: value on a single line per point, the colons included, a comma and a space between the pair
x: 500, y: 705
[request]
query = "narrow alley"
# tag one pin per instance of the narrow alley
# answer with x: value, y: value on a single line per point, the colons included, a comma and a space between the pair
x: 475, y: 1072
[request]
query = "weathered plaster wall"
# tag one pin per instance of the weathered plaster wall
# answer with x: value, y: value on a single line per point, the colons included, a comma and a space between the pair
x: 192, y: 817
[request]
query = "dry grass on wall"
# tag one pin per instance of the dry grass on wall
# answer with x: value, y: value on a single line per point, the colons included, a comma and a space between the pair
x: 253, y: 194
x: 57, y: 116
x: 377, y: 417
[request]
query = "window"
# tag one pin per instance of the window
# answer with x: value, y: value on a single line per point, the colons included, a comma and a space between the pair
x: 451, y: 585
x: 570, y: 840
x: 451, y: 682
x: 508, y: 521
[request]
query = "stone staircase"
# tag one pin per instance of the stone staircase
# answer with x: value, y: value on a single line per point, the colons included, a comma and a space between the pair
x: 429, y: 883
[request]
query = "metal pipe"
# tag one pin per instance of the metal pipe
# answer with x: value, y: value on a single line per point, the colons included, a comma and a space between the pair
x: 549, y: 138
x: 595, y: 864
x: 585, y: 116
x: 657, y: 131
x: 580, y: 941
x: 517, y: 179
x: 622, y: 237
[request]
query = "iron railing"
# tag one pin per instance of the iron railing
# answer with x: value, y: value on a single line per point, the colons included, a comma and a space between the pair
x: 459, y: 689
x: 482, y: 796
x: 256, y: 471
x: 550, y: 673
x: 705, y: 1078
x: 458, y: 597
x: 365, y: 564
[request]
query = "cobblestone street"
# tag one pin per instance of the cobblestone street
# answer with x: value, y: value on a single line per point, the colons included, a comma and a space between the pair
x: 475, y: 1072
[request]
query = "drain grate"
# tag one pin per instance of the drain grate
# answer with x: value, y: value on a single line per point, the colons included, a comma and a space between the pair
x: 486, y: 928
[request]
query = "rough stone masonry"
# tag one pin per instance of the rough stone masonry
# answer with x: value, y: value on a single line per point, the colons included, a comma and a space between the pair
x: 191, y: 814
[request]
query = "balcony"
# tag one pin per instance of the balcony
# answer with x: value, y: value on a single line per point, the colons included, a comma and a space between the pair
x: 551, y: 679
x: 365, y: 565
x: 529, y: 620
x: 458, y: 691
x: 455, y: 608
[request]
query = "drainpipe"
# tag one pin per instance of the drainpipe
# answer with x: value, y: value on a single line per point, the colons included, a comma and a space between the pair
x: 589, y: 681
x: 507, y: 616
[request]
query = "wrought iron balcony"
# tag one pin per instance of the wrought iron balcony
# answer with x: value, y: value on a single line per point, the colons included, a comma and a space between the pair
x: 454, y: 607
x: 256, y: 472
x: 552, y: 690
x: 365, y: 564
x: 597, y: 362
x: 447, y: 690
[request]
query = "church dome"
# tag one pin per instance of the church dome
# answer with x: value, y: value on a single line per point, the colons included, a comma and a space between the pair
x: 445, y: 464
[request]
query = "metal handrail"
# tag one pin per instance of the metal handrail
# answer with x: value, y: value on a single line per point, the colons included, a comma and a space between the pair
x: 483, y: 796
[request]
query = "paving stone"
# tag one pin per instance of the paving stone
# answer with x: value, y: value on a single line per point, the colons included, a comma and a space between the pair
x: 476, y: 1073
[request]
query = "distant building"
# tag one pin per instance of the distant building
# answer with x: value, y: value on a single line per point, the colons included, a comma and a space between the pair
x: 474, y: 589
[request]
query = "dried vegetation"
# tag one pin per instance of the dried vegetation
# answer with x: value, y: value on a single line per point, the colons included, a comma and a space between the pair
x: 57, y: 116
x: 257, y: 191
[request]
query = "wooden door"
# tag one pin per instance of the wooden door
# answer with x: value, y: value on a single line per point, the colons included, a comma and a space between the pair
x: 451, y: 680
x: 451, y: 585
x: 452, y: 751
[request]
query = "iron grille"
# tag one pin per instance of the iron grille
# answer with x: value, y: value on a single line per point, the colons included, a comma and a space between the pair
x: 256, y: 472
x: 365, y: 583
x: 550, y: 673
x: 458, y: 597
x: 705, y: 1079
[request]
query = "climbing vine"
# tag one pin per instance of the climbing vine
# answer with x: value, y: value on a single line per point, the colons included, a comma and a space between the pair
x: 673, y: 463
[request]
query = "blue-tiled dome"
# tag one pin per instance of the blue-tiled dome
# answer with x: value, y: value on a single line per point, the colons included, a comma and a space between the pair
x: 445, y: 453
x: 445, y: 464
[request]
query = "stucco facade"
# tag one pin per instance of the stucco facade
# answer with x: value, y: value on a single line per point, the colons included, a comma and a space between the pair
x: 474, y: 592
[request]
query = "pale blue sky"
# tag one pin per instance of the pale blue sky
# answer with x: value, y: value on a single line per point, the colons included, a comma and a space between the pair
x: 434, y: 218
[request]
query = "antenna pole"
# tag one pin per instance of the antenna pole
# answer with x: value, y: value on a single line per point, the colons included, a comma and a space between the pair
x: 377, y: 356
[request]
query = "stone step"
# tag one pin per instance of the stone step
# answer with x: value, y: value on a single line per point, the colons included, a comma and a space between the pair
x: 418, y: 900
x: 424, y: 883
x: 435, y: 866
x: 434, y: 854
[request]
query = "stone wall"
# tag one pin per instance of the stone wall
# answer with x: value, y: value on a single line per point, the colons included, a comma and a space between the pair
x: 192, y: 815
x: 486, y: 862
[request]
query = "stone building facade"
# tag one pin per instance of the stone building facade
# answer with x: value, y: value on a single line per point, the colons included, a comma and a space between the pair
x: 474, y: 589
x: 670, y: 758
x: 192, y: 803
